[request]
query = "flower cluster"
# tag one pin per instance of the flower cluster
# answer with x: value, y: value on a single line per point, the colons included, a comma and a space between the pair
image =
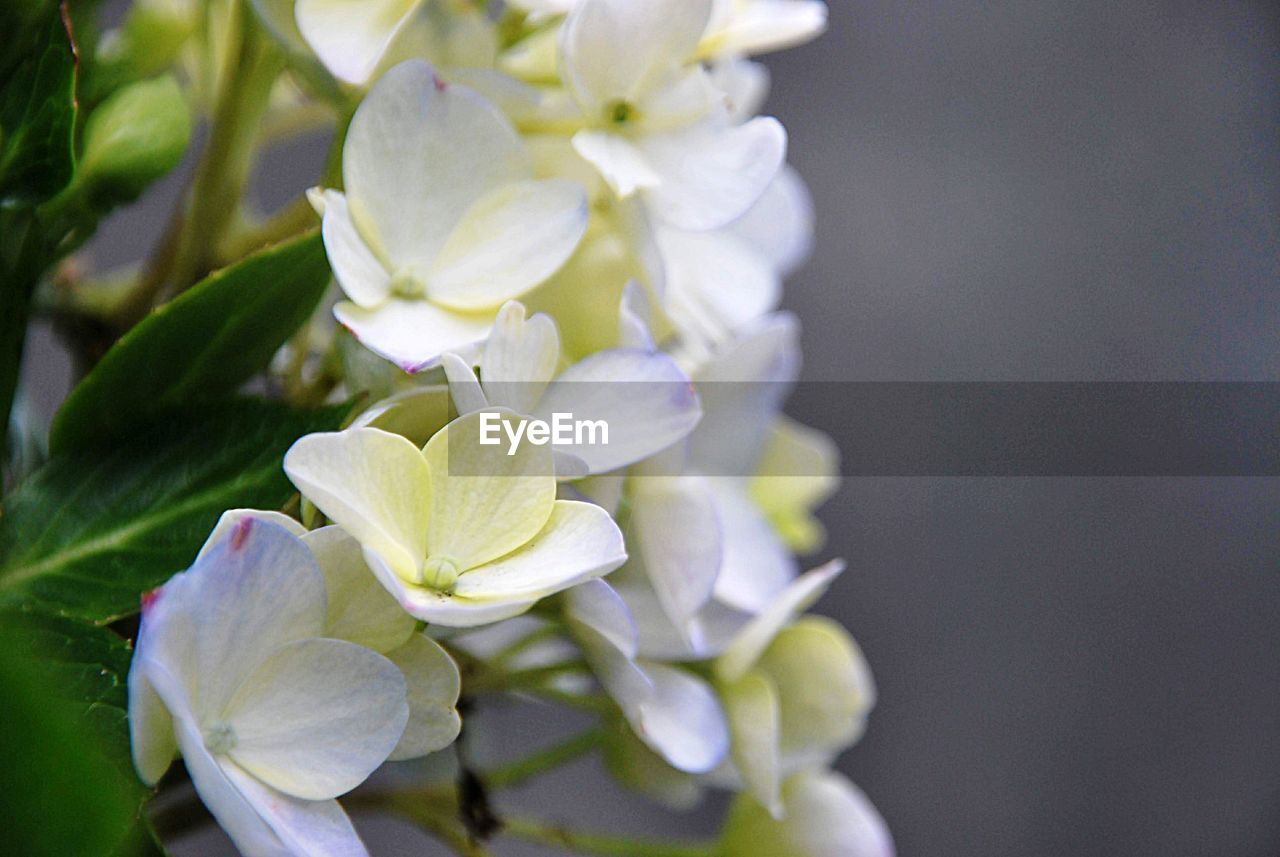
x: 559, y: 207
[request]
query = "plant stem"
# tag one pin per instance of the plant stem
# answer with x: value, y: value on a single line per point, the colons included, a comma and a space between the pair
x: 509, y: 776
x: 293, y: 219
x: 497, y: 681
x: 592, y: 702
x: 187, y: 250
x: 602, y: 846
x: 504, y: 657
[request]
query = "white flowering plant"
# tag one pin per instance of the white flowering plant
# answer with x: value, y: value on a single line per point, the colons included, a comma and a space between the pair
x: 491, y: 409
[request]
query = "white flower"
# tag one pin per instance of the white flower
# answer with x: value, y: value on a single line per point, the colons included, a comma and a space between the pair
x: 828, y: 817
x: 273, y: 720
x: 671, y: 710
x: 361, y: 611
x: 641, y: 395
x: 441, y: 221
x: 656, y: 125
x: 461, y: 533
x: 739, y: 27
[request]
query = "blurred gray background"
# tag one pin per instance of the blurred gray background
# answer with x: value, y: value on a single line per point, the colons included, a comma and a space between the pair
x: 1018, y: 191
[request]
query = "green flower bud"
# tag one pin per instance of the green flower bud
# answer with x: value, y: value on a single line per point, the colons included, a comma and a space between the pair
x: 133, y: 138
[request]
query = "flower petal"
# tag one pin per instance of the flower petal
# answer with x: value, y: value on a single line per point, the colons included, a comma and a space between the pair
x: 760, y: 26
x: 750, y: 644
x: 579, y: 542
x: 355, y: 267
x: 509, y: 241
x: 375, y: 484
x: 827, y: 816
x: 416, y: 413
x: 644, y: 399
x: 712, y: 172
x: 361, y: 611
x: 716, y: 283
x: 621, y: 163
x: 151, y: 727
x: 752, y: 706
x: 464, y: 387
x: 682, y: 720
x: 613, y: 50
x: 317, y: 717
x: 743, y: 388
x: 418, y: 155
x: 717, y: 625
x: 253, y: 591
x: 756, y: 565
x: 595, y: 605
x: 780, y: 225
x: 797, y: 472
x: 228, y: 520
x: 825, y: 689
x: 239, y: 815
x: 434, y: 685
x: 519, y: 359
x: 412, y: 333
x: 679, y: 540
x: 484, y: 502
x: 348, y: 38
x: 311, y: 827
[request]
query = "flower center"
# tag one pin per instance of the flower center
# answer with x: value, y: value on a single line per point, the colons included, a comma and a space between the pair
x: 619, y: 112
x: 440, y: 573
x: 405, y: 285
x: 220, y: 738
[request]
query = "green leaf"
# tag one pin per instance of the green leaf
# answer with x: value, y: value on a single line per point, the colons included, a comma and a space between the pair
x: 201, y: 347
x: 87, y: 665
x: 64, y: 794
x: 93, y: 529
x: 37, y: 118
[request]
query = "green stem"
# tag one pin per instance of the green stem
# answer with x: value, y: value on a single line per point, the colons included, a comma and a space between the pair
x: 532, y: 679
x: 542, y: 761
x: 507, y: 655
x: 292, y: 220
x: 590, y: 702
x: 187, y: 250
x: 602, y: 846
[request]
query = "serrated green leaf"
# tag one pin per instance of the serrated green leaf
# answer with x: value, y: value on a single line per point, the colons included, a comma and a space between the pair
x: 64, y: 794
x: 201, y: 347
x: 37, y: 118
x: 93, y: 529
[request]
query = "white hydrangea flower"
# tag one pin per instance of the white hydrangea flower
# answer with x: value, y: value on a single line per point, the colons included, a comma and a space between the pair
x: 670, y: 709
x: 441, y: 221
x: 273, y: 720
x: 640, y: 394
x: 360, y: 610
x: 461, y: 533
x: 656, y: 125
x: 828, y: 817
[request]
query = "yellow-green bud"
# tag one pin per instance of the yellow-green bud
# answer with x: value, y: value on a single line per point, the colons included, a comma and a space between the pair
x: 440, y: 574
x: 133, y: 138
